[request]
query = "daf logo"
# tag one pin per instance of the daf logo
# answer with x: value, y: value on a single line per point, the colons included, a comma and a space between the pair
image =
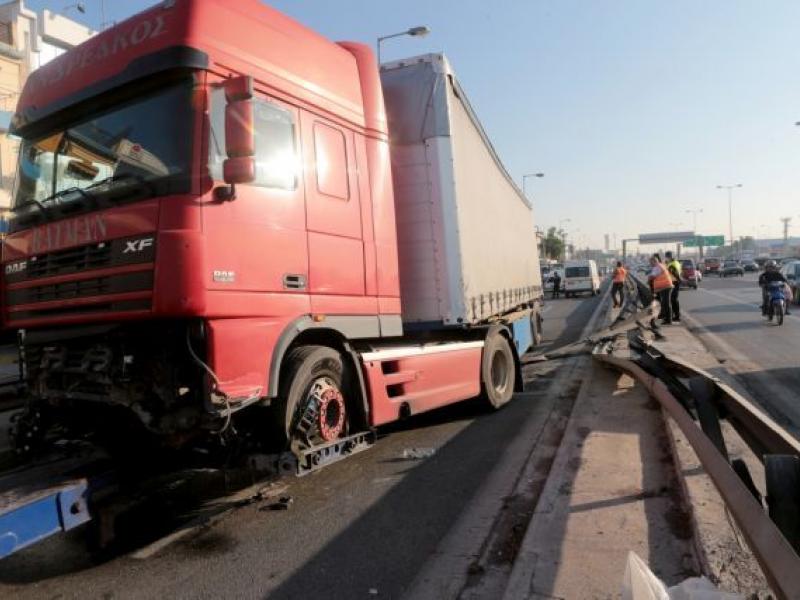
x: 17, y: 267
x: 137, y: 245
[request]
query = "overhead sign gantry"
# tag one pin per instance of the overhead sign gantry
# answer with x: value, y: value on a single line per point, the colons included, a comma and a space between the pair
x: 689, y: 239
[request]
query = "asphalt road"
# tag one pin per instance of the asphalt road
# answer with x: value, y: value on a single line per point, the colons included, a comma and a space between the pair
x: 763, y: 357
x: 362, y: 528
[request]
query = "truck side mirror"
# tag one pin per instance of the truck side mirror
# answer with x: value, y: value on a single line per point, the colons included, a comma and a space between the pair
x: 240, y: 139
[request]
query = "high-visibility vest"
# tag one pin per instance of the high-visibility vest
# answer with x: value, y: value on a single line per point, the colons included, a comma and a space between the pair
x: 619, y: 274
x: 677, y: 266
x: 662, y: 281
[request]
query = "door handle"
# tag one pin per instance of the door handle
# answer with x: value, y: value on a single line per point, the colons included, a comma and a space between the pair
x: 292, y: 281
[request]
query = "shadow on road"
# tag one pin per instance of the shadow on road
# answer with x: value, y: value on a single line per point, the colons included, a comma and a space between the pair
x: 725, y: 308
x: 391, y: 542
x: 731, y: 327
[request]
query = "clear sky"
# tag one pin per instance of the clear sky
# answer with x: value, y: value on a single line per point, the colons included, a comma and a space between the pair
x: 634, y: 110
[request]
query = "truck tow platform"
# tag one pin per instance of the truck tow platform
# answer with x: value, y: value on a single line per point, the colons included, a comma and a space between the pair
x: 40, y: 500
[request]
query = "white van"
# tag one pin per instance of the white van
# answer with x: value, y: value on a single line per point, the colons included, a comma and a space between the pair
x: 581, y: 276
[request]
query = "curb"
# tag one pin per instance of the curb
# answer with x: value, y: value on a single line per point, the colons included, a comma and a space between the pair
x: 700, y: 556
x: 517, y: 585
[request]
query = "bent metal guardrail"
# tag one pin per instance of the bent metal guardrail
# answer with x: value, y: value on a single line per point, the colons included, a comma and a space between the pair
x: 697, y: 401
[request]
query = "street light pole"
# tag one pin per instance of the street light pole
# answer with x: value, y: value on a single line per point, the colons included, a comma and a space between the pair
x: 419, y: 31
x: 694, y: 212
x: 730, y: 189
x: 525, y: 179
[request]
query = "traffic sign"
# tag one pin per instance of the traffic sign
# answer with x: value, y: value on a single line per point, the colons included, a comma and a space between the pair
x: 705, y: 240
x: 665, y: 238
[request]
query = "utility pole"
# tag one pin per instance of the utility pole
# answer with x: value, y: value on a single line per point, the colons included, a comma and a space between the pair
x: 786, y: 221
x: 625, y: 247
x: 730, y: 189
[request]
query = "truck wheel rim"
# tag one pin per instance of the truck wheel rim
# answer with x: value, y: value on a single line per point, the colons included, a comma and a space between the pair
x: 499, y: 372
x: 330, y: 409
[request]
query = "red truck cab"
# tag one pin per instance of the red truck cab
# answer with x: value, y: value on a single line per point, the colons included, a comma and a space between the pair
x: 203, y: 218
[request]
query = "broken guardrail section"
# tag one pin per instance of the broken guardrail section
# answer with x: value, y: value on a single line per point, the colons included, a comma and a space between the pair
x: 697, y: 401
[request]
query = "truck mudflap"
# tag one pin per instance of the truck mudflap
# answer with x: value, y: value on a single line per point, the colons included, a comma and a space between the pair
x: 307, y: 460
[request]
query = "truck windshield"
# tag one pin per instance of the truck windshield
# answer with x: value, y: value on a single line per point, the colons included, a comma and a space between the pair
x: 134, y: 145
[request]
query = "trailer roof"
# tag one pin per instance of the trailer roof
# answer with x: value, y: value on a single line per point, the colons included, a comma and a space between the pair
x: 428, y: 122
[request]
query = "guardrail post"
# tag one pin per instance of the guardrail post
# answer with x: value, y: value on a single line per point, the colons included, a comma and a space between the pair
x: 704, y: 392
x: 782, y: 473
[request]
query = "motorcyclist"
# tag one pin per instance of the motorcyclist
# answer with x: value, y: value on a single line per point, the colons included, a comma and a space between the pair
x: 771, y: 274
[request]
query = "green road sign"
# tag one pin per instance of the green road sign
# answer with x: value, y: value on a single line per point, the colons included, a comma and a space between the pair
x: 705, y: 240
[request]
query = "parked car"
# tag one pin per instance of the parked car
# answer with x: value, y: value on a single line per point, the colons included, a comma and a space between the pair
x: 750, y: 266
x: 691, y: 274
x: 731, y: 268
x: 711, y: 265
x: 792, y: 273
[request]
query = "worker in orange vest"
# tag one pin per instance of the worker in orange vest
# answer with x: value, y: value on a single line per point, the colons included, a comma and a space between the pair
x: 618, y: 283
x: 661, y: 283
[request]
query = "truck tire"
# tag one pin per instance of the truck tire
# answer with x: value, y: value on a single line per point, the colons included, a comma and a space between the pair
x: 498, y: 370
x: 312, y: 407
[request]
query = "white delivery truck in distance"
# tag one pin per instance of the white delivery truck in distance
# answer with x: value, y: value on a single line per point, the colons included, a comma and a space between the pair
x: 581, y: 276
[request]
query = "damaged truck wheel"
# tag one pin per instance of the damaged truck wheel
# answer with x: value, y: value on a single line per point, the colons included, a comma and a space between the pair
x: 312, y: 408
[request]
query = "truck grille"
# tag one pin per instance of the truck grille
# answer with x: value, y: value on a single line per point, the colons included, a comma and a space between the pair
x: 95, y: 286
x: 92, y: 256
x: 83, y: 258
x: 86, y: 309
x: 103, y: 292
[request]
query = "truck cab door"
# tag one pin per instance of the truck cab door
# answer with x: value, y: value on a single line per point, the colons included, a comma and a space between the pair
x: 334, y: 220
x: 258, y: 242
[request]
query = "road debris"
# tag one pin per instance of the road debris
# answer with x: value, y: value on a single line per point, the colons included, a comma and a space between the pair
x: 283, y: 503
x: 417, y: 453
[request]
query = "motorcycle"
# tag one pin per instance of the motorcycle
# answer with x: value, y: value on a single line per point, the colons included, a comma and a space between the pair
x: 777, y: 302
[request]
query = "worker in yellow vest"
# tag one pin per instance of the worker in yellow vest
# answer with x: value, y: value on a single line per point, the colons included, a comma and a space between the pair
x: 661, y: 283
x: 675, y: 270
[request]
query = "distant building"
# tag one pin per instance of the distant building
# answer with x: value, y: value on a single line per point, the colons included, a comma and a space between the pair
x: 28, y: 40
x: 777, y: 247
